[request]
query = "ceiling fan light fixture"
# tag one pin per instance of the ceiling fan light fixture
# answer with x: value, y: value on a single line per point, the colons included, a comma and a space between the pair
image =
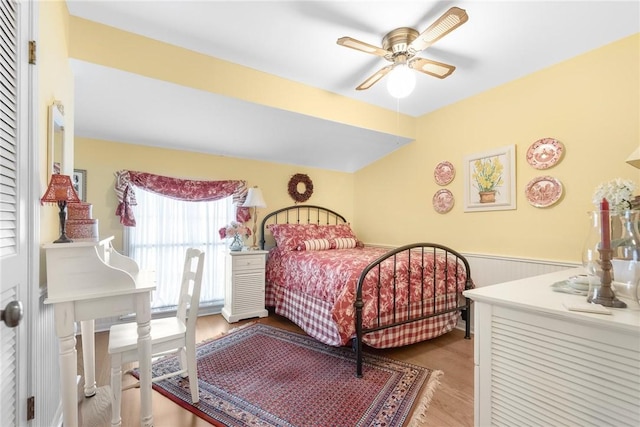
x: 401, y: 81
x: 400, y: 47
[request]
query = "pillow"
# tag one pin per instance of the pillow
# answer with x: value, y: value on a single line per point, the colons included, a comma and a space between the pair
x: 315, y: 245
x: 333, y: 231
x: 344, y: 243
x: 289, y: 237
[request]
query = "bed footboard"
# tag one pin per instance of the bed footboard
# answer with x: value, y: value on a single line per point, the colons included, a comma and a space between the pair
x: 436, y: 274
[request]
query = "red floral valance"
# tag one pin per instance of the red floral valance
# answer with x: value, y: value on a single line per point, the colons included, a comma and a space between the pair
x: 178, y: 189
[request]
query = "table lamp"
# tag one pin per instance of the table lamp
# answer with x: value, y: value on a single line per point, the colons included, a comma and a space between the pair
x: 61, y: 191
x: 254, y: 200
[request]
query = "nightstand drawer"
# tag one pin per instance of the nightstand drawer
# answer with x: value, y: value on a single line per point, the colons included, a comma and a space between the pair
x: 248, y: 262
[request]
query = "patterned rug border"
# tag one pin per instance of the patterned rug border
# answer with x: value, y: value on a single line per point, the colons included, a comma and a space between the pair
x: 421, y: 398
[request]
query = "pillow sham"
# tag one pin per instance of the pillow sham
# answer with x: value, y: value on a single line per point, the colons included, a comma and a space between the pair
x: 333, y: 231
x: 289, y: 237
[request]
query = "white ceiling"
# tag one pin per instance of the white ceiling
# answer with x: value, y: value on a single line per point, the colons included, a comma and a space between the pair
x: 296, y: 40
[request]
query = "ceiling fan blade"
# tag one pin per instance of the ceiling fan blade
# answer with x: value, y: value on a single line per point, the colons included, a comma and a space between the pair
x: 375, y: 77
x: 432, y: 68
x: 448, y: 22
x: 362, y: 46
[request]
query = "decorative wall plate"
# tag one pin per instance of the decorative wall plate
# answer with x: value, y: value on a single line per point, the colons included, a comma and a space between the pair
x: 543, y: 191
x: 545, y: 153
x: 444, y: 173
x: 443, y: 201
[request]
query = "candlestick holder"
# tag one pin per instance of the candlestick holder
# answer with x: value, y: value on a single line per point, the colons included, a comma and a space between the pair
x: 603, y: 293
x: 596, y: 258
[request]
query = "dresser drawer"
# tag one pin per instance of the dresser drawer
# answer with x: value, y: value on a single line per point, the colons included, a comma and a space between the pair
x: 248, y: 262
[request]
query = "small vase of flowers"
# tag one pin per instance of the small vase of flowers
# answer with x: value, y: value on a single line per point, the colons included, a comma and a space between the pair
x: 237, y: 232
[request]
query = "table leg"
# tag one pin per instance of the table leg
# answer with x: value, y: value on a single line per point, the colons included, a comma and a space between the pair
x: 87, y: 328
x: 143, y: 318
x: 68, y: 359
x: 116, y: 389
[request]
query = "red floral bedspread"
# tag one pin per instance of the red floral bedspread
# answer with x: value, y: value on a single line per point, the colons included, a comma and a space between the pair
x: 332, y: 276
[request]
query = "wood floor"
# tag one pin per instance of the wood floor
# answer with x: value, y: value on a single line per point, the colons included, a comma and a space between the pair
x: 452, y: 404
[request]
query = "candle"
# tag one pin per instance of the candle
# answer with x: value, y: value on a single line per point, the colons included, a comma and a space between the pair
x: 605, y: 232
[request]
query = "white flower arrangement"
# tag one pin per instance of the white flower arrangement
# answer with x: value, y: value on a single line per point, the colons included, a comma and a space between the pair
x: 618, y: 192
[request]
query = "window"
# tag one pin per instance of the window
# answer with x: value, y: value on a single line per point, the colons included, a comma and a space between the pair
x: 165, y: 229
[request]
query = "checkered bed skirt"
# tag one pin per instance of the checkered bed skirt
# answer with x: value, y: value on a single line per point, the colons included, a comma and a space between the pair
x: 315, y: 318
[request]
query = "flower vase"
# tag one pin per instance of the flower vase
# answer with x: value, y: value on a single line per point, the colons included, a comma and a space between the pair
x: 626, y: 258
x: 236, y: 243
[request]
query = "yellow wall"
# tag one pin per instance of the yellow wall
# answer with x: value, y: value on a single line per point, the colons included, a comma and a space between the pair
x: 102, y: 159
x: 55, y: 82
x: 590, y: 103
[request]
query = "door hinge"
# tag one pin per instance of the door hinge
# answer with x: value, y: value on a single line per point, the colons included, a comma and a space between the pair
x: 32, y: 52
x: 31, y: 408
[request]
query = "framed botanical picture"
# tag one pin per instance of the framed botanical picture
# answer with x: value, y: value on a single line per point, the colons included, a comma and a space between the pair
x: 79, y: 179
x: 490, y: 180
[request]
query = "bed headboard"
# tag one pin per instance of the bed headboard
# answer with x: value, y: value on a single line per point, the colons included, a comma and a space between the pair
x: 297, y: 214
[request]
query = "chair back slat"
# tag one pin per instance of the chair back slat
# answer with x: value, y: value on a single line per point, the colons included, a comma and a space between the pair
x: 189, y: 301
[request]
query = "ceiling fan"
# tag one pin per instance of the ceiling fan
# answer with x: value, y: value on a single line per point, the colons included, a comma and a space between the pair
x: 402, y: 44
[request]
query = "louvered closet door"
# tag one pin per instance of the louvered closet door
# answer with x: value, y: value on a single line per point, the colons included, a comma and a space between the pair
x: 13, y: 202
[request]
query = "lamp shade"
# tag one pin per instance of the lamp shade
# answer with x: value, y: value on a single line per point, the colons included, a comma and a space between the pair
x: 401, y: 81
x: 634, y: 159
x: 254, y: 199
x: 60, y: 190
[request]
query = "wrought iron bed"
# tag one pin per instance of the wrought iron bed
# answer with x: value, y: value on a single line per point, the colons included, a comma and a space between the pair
x: 420, y: 259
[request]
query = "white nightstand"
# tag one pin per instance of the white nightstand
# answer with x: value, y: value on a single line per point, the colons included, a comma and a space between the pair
x: 244, y: 285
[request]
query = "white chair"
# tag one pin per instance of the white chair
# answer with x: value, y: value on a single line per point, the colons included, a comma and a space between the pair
x: 168, y: 335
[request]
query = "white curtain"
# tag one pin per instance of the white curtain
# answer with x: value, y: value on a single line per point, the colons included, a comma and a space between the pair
x: 165, y: 229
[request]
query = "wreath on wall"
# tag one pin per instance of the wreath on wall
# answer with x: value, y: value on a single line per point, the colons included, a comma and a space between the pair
x: 300, y: 178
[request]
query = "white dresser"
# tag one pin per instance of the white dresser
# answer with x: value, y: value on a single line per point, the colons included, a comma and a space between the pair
x: 537, y: 363
x: 244, y: 285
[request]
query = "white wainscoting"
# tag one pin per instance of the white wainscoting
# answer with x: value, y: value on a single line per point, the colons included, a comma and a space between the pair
x: 490, y: 269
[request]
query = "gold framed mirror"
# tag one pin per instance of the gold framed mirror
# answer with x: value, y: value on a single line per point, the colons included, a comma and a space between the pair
x: 55, y: 137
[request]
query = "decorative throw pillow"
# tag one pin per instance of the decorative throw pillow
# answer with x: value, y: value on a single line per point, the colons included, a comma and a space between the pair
x: 344, y: 243
x: 289, y: 237
x: 315, y: 245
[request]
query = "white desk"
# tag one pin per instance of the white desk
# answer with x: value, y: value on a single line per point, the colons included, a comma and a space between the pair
x: 537, y: 363
x: 87, y: 280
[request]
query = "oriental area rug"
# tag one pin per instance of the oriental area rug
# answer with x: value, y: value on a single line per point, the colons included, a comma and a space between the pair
x: 260, y: 375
